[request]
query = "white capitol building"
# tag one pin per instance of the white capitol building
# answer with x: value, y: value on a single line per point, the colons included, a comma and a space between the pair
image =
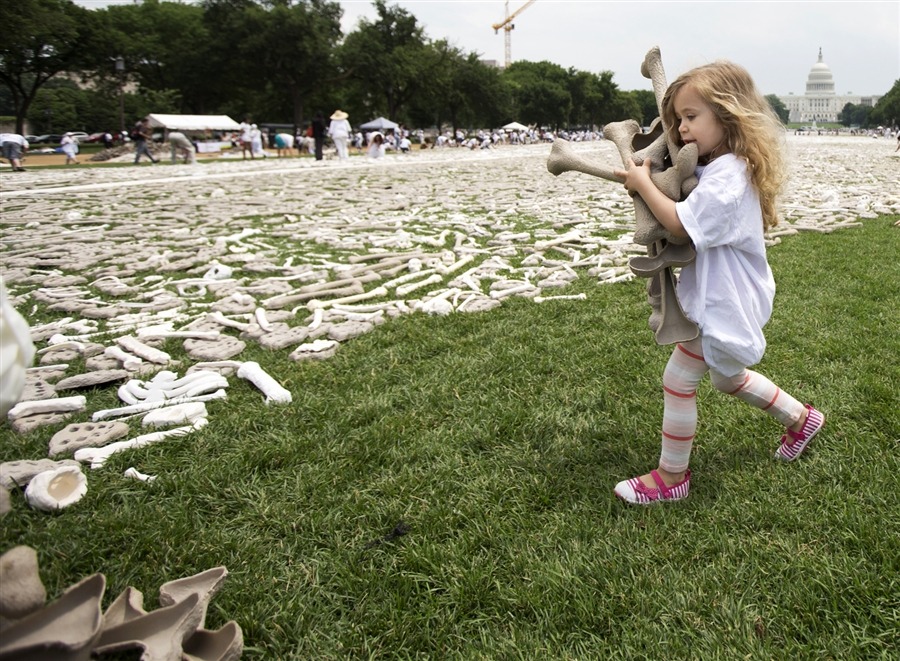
x: 820, y: 103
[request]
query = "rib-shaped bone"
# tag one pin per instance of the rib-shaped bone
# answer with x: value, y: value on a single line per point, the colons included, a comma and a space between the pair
x: 98, y: 456
x: 143, y: 407
x: 273, y: 391
x: 378, y: 292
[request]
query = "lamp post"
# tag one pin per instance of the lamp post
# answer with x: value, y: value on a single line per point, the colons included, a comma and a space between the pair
x: 120, y: 74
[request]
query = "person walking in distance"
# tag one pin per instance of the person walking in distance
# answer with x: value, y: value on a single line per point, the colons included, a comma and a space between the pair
x: 339, y: 132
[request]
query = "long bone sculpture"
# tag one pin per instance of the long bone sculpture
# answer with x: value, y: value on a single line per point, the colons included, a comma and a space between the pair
x: 664, y: 251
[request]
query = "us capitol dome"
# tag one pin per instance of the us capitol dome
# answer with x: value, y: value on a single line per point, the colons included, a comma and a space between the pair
x: 820, y: 103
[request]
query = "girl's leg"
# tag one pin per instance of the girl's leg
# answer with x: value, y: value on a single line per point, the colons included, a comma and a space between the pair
x: 758, y: 391
x: 803, y: 422
x: 681, y: 378
x: 671, y: 481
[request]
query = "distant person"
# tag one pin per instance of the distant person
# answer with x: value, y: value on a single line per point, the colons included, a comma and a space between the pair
x: 141, y: 135
x: 339, y: 131
x: 108, y: 140
x: 318, y: 134
x: 256, y: 142
x: 69, y: 146
x: 180, y: 143
x: 729, y: 289
x: 405, y: 144
x: 13, y: 146
x: 376, y: 147
x: 245, y: 138
x: 284, y: 144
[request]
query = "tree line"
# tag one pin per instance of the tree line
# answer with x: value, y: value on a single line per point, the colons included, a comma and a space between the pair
x: 64, y: 67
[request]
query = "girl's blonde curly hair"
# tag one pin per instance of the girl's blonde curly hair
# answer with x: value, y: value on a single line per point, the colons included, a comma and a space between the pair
x: 752, y: 130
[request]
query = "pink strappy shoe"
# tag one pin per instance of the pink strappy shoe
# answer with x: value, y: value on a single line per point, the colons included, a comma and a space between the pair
x: 793, y: 443
x: 637, y: 493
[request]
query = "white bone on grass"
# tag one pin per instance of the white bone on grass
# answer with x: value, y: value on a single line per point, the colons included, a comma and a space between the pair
x: 274, y: 392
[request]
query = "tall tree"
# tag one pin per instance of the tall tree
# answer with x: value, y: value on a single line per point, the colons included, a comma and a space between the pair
x: 540, y: 92
x: 41, y: 39
x: 293, y: 45
x: 388, y: 61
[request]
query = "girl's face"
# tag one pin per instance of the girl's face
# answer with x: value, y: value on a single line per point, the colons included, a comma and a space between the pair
x: 698, y: 123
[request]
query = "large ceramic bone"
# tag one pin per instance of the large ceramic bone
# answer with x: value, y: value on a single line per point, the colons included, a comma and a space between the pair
x: 664, y: 250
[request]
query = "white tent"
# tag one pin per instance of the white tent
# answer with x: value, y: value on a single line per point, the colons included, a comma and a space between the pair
x: 379, y: 124
x: 515, y: 126
x: 194, y: 122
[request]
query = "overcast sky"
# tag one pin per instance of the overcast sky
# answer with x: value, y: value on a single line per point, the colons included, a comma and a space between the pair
x: 778, y: 41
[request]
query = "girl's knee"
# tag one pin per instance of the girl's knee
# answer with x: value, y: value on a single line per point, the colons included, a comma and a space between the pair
x: 728, y: 384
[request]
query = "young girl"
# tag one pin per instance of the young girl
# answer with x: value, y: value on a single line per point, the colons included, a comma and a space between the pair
x: 728, y: 290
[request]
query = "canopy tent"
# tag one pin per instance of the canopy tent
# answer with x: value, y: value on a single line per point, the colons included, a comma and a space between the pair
x: 515, y: 126
x: 194, y: 122
x: 379, y: 124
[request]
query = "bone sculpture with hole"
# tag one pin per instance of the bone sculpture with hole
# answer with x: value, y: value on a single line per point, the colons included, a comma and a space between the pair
x: 664, y: 251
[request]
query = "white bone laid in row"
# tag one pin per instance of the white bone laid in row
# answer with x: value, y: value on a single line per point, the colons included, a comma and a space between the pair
x: 403, y: 290
x: 574, y: 235
x: 273, y: 391
x: 222, y: 320
x: 262, y: 320
x: 510, y: 291
x: 179, y: 414
x: 571, y: 297
x: 455, y: 266
x: 138, y: 348
x: 71, y: 344
x: 55, y: 405
x: 166, y: 330
x: 143, y: 407
x: 355, y: 316
x: 399, y: 280
x: 98, y: 456
x: 375, y: 293
x: 129, y: 361
x: 318, y: 318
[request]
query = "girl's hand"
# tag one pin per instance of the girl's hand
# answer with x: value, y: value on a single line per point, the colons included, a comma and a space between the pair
x: 637, y: 177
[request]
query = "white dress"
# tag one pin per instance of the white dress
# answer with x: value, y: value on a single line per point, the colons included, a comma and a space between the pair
x: 729, y: 289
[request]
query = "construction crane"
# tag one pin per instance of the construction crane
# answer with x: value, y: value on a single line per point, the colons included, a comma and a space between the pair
x: 507, y: 26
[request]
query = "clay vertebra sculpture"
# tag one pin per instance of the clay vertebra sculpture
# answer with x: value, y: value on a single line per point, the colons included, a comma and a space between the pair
x: 73, y: 628
x: 56, y: 489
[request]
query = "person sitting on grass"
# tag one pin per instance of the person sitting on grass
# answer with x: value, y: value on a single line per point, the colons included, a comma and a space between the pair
x: 729, y: 289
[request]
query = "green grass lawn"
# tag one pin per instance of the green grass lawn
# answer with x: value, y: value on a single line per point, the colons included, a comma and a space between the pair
x: 442, y: 488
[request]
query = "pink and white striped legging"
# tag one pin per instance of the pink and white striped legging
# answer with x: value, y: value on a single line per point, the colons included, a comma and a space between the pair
x: 682, y: 375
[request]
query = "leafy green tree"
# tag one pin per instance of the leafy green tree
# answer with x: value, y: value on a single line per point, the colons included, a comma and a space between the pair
x: 292, y: 45
x: 646, y: 100
x: 540, y: 93
x: 855, y: 115
x: 591, y: 93
x: 778, y: 108
x: 41, y: 39
x: 463, y: 92
x: 387, y: 62
x: 887, y: 111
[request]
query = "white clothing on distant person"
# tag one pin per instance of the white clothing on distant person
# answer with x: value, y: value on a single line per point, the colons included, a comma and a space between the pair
x: 69, y: 146
x: 179, y: 142
x: 339, y: 131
